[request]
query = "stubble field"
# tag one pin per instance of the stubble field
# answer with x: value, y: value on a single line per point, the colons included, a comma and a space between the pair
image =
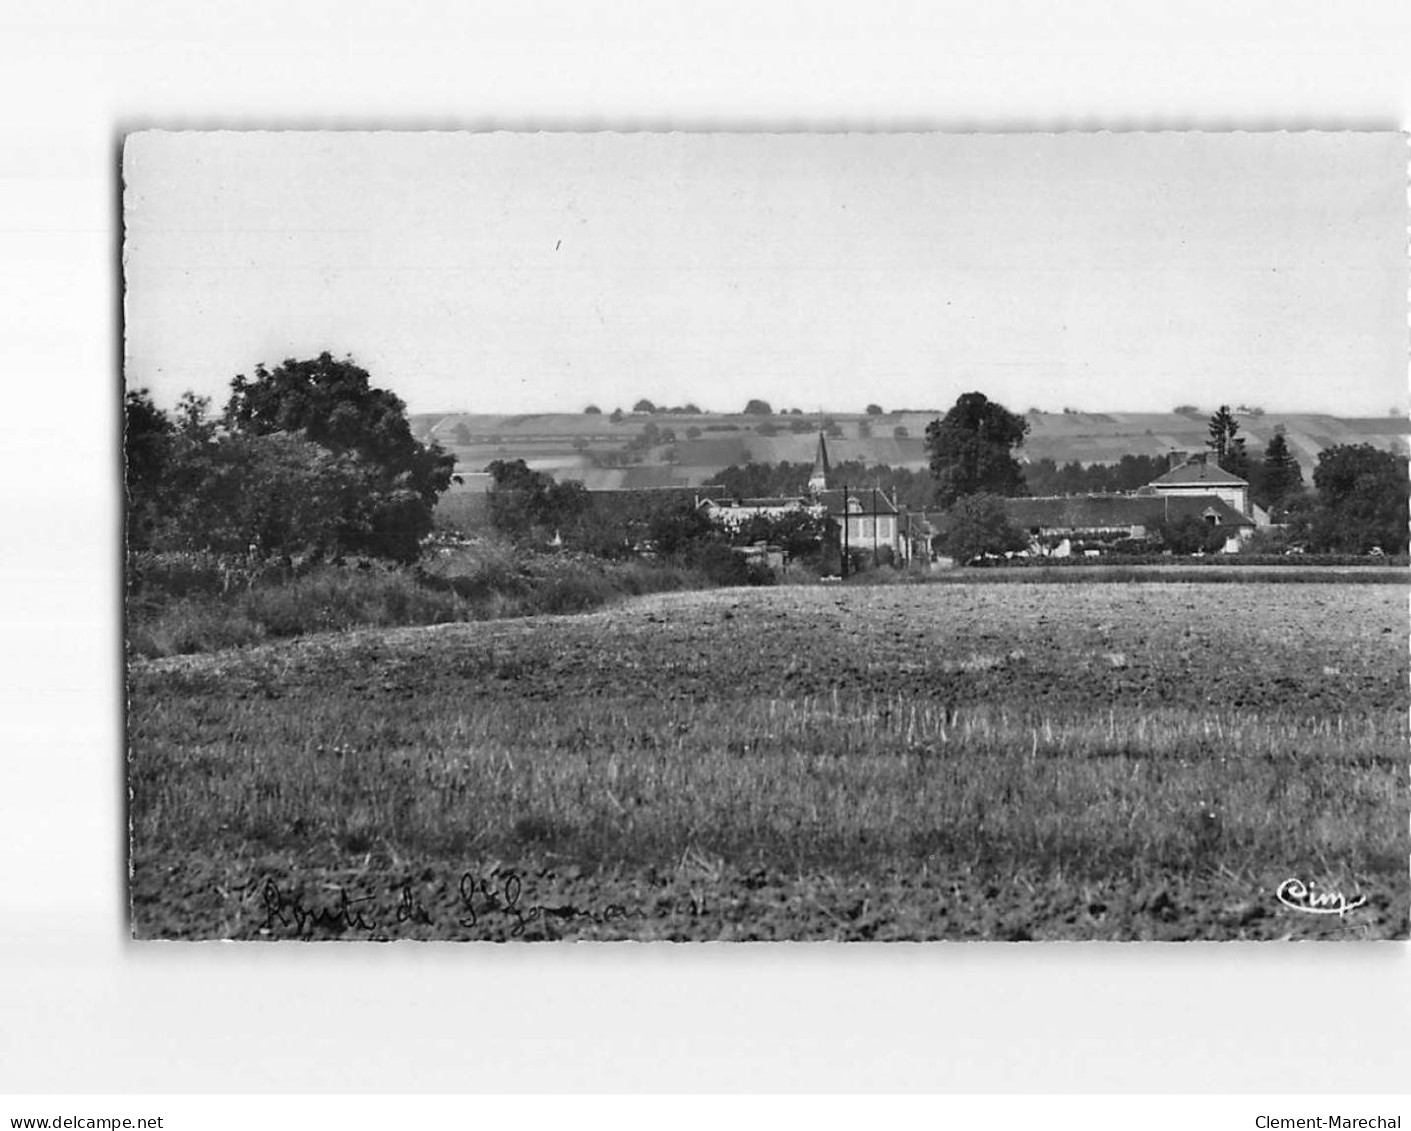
x: 1145, y: 760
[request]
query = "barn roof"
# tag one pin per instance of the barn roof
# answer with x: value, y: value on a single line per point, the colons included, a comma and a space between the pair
x: 1090, y: 512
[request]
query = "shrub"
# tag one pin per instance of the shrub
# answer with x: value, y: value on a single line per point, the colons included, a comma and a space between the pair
x: 759, y: 573
x: 1190, y: 535
x: 179, y: 603
x: 980, y: 525
x: 716, y: 563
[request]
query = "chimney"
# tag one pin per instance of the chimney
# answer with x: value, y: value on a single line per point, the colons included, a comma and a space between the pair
x: 1176, y: 459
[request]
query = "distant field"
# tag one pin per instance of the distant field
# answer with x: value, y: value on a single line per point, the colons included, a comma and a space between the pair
x: 727, y: 438
x: 955, y: 761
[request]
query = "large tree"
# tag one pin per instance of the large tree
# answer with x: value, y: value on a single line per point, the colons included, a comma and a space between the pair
x: 972, y: 449
x: 193, y: 486
x: 1363, y: 496
x: 333, y: 404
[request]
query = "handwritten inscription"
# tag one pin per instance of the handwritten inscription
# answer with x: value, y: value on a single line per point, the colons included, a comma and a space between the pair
x: 1299, y: 896
x: 479, y: 897
x: 290, y: 910
x: 481, y: 902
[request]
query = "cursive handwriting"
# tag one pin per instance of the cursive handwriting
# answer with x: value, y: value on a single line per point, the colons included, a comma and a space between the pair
x: 480, y: 898
x: 288, y: 909
x: 482, y: 901
x: 1299, y: 896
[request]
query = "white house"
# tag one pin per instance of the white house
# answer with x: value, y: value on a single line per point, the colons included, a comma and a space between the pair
x: 868, y: 521
x: 1199, y: 478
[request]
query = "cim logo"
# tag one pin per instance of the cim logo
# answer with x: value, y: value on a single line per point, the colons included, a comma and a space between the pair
x: 1302, y: 897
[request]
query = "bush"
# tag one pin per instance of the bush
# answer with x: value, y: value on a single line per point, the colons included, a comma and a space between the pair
x: 758, y: 573
x: 180, y: 603
x: 333, y: 598
x: 1191, y: 535
x: 980, y: 526
x: 715, y: 562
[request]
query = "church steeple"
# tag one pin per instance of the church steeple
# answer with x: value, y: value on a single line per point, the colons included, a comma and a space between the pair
x: 818, y: 480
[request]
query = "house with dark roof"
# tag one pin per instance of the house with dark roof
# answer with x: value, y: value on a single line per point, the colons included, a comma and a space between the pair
x: 868, y: 521
x: 1197, y: 478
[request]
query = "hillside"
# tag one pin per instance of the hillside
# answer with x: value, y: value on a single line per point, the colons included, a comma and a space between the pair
x: 678, y: 449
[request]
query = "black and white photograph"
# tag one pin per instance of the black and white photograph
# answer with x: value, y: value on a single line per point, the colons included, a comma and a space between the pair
x: 732, y: 537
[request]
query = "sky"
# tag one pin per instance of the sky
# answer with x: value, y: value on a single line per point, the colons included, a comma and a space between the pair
x: 509, y: 273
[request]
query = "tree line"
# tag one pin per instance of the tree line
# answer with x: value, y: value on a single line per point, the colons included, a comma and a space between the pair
x: 1358, y: 500
x: 311, y: 458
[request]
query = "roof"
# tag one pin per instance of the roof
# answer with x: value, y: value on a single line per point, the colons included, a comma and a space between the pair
x: 1096, y: 512
x: 1198, y: 472
x: 758, y: 504
x: 833, y: 500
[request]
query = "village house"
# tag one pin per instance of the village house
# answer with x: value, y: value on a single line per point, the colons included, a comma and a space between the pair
x: 868, y: 521
x: 1195, y: 478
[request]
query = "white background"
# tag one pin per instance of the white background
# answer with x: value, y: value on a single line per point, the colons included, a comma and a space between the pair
x: 85, y: 1011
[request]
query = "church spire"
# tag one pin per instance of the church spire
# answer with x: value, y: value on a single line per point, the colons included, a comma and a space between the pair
x: 818, y: 480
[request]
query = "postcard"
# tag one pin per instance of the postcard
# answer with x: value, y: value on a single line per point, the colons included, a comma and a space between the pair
x: 746, y: 537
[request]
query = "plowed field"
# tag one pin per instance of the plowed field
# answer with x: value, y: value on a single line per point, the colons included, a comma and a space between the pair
x: 919, y: 762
